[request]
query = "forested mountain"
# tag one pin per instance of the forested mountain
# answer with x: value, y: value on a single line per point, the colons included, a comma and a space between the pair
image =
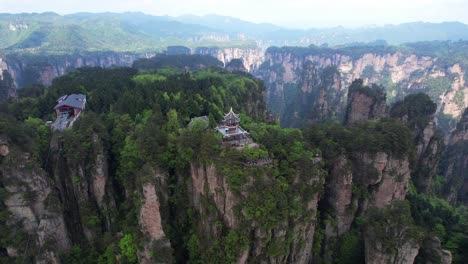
x: 357, y: 141
x: 310, y: 84
x: 137, y: 32
x: 132, y: 182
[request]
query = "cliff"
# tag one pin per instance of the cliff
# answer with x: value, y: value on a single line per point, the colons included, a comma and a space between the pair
x: 28, y: 69
x: 268, y: 236
x: 294, y: 77
x: 455, y: 163
x: 390, y: 235
x: 365, y: 103
x: 7, y: 85
x: 252, y: 57
x: 35, y: 221
x: 417, y: 112
x: 131, y: 182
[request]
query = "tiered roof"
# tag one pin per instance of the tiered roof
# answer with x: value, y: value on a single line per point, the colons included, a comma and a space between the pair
x: 231, y: 117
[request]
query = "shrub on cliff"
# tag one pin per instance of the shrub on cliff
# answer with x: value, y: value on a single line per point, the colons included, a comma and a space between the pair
x: 415, y: 108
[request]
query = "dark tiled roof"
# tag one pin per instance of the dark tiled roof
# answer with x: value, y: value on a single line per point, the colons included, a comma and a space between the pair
x: 72, y: 100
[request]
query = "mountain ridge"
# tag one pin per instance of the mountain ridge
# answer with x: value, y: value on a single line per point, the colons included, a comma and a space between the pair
x: 138, y: 32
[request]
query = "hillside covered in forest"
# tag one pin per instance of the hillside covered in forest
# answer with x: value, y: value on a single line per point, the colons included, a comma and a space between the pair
x: 139, y: 178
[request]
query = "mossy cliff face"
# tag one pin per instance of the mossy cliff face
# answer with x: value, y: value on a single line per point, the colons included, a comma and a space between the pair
x: 251, y: 57
x: 41, y: 69
x: 72, y: 201
x: 295, y: 76
x: 36, y: 221
x: 7, y: 85
x: 365, y: 103
x: 455, y: 163
x: 281, y: 238
x: 131, y: 182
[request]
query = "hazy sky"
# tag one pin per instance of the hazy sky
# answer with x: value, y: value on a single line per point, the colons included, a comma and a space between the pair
x: 293, y: 13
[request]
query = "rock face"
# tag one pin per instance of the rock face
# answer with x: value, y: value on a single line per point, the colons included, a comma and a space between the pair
x: 455, y: 163
x: 365, y: 103
x: 293, y: 74
x: 236, y: 65
x: 34, y: 208
x: 26, y: 70
x: 207, y: 183
x: 7, y: 85
x: 428, y: 152
x: 432, y: 252
x: 390, y: 235
x: 376, y: 254
x: 252, y: 57
x: 82, y: 187
x: 208, y: 186
x: 4, y: 150
x: 360, y: 182
x: 150, y: 218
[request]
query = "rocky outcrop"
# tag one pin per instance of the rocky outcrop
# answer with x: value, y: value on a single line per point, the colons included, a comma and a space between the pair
x: 236, y: 65
x: 150, y: 217
x: 30, y: 69
x: 417, y: 112
x: 455, y: 163
x: 83, y: 186
x: 431, y: 252
x: 390, y: 235
x: 35, y: 209
x: 376, y: 253
x: 252, y: 57
x: 286, y: 71
x: 151, y: 214
x: 289, y: 241
x: 207, y: 183
x: 428, y: 152
x: 360, y: 182
x: 365, y: 103
x: 4, y: 150
x: 7, y: 85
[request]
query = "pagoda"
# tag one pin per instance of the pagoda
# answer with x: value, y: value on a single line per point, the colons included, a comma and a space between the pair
x: 233, y: 133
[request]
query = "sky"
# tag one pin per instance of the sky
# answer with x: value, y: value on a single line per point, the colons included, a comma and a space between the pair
x: 288, y: 13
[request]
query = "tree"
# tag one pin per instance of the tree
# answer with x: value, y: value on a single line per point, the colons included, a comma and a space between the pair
x: 128, y: 248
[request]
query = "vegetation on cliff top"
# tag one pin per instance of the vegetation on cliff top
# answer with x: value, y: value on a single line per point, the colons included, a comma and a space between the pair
x: 140, y: 118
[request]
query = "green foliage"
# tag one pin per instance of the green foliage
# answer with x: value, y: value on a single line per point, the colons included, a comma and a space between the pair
x: 42, y: 137
x: 128, y: 249
x: 437, y: 86
x: 350, y: 248
x: 181, y: 62
x: 417, y: 108
x: 459, y: 98
x: 357, y: 86
x: 78, y: 255
x: 108, y: 257
x: 393, y: 225
x: 438, y: 218
x: 368, y: 72
x: 140, y: 119
x: 385, y: 135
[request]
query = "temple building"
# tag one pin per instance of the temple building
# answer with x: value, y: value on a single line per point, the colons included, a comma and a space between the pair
x: 68, y: 109
x: 233, y: 133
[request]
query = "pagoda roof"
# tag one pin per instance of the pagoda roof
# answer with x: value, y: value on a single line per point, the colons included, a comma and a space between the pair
x: 231, y: 115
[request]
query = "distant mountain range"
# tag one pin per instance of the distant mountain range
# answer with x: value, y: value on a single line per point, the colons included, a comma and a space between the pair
x: 138, y: 32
